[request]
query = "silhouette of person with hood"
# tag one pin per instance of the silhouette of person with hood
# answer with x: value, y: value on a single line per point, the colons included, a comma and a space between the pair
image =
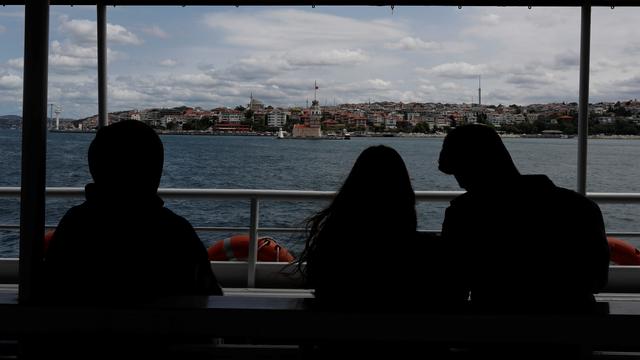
x: 524, y: 244
x: 122, y: 245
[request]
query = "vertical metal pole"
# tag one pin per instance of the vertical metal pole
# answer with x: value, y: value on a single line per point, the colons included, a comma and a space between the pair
x: 34, y: 147
x: 103, y: 115
x: 252, y: 258
x: 583, y: 101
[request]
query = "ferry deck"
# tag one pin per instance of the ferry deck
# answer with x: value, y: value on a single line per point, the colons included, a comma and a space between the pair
x: 261, y: 303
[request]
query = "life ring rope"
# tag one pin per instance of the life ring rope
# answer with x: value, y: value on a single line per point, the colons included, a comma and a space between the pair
x: 228, y: 249
x: 622, y: 252
x: 236, y: 248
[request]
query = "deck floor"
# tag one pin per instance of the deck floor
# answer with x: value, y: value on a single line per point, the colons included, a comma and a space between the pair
x: 619, y: 303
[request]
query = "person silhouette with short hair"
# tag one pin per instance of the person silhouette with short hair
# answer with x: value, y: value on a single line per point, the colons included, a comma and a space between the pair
x: 122, y: 245
x: 522, y: 243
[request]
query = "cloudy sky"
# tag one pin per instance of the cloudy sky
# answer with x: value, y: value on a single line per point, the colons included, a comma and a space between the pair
x: 218, y: 56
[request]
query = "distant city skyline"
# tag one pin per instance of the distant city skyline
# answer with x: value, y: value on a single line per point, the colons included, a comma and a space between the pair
x: 217, y: 56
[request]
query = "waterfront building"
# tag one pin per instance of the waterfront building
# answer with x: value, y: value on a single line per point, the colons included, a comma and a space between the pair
x: 230, y: 128
x: 276, y: 118
x: 391, y: 120
x: 414, y: 118
x: 376, y: 118
x: 230, y: 117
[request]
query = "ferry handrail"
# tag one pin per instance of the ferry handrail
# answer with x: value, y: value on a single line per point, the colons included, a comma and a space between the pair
x: 256, y: 195
x: 270, y: 194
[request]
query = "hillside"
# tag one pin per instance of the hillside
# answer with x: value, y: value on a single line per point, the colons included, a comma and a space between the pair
x: 10, y: 121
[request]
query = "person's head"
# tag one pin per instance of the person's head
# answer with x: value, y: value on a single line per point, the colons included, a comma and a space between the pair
x: 127, y: 158
x: 377, y: 186
x: 376, y: 203
x: 476, y: 156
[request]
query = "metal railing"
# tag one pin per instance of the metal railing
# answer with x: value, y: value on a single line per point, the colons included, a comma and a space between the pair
x: 256, y: 196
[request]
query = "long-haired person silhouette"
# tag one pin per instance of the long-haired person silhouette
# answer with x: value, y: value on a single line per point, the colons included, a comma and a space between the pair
x: 354, y: 245
x: 363, y: 253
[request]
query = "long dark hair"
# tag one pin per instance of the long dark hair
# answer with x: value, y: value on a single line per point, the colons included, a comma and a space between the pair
x: 376, y: 199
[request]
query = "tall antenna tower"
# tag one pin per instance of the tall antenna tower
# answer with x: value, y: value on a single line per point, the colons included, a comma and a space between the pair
x: 479, y: 90
x: 315, y: 90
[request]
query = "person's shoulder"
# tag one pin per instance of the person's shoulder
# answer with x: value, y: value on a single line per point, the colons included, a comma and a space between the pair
x: 78, y: 212
x: 169, y: 217
x: 574, y: 198
x: 542, y: 184
x: 426, y: 236
x: 462, y: 199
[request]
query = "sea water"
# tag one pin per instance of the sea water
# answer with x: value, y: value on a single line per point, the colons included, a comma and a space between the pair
x: 264, y: 162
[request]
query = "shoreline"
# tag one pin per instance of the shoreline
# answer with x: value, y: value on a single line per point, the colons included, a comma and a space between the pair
x: 387, y: 135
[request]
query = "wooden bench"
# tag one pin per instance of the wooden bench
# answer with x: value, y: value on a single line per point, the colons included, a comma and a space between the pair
x: 273, y: 320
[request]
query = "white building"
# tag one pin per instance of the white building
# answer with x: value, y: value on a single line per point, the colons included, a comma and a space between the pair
x: 230, y: 117
x: 277, y: 118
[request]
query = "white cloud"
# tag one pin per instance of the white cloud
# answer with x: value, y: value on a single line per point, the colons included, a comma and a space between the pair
x: 523, y: 56
x: 17, y: 63
x: 457, y: 70
x: 118, y: 93
x: 427, y: 88
x: 198, y: 80
x: 168, y: 62
x: 522, y: 34
x: 490, y: 19
x: 256, y: 67
x: 328, y: 57
x: 379, y: 83
x: 531, y: 80
x: 156, y: 31
x: 120, y: 35
x: 295, y: 84
x: 68, y: 55
x: 10, y: 82
x: 567, y: 59
x: 85, y: 31
x: 284, y: 29
x: 413, y: 43
x: 449, y: 86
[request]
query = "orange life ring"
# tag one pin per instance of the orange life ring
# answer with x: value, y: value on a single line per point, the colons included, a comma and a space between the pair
x: 48, y: 235
x: 237, y: 248
x: 623, y: 253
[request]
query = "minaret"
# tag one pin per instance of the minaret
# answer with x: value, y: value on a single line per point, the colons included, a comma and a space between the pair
x: 479, y: 90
